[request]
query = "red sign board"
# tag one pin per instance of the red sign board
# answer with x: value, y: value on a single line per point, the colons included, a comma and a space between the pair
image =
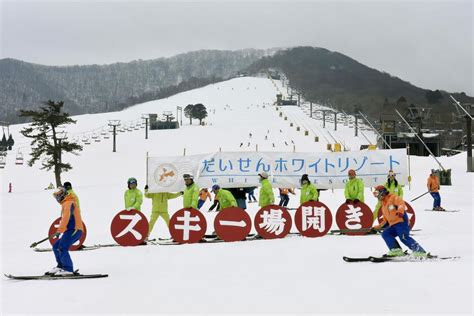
x: 272, y: 221
x: 313, y: 219
x: 187, y: 226
x: 129, y: 228
x: 410, y: 212
x: 354, y: 216
x: 232, y: 224
x: 54, y: 228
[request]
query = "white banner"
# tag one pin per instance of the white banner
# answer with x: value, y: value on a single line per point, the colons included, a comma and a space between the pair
x: 241, y: 169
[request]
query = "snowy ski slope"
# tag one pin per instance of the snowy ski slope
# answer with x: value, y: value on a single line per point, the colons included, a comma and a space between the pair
x: 292, y: 275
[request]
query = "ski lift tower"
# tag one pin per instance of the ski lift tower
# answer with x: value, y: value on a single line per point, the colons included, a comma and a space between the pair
x: 468, y: 110
x: 114, y: 124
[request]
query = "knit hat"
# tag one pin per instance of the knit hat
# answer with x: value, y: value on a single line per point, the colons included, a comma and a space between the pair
x: 304, y: 178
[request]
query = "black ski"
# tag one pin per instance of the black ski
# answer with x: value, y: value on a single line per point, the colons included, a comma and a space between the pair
x: 205, y: 240
x: 408, y: 258
x: 355, y: 259
x: 53, y: 277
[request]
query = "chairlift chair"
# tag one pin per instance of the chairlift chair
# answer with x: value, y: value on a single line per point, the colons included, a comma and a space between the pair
x: 19, y: 158
x: 86, y: 140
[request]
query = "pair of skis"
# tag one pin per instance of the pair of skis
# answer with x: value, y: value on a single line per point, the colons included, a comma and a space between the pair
x: 405, y: 258
x: 76, y: 275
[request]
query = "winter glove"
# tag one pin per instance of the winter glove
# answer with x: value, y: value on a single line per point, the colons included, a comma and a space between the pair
x: 129, y: 208
x: 372, y: 231
x: 348, y: 201
x: 56, y: 235
x: 182, y: 192
x: 356, y: 201
x: 146, y: 187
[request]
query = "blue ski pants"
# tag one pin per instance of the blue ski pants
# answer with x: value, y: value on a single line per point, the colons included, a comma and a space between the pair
x: 284, y: 199
x: 437, y: 199
x: 402, y: 231
x: 61, y: 249
x: 200, y: 203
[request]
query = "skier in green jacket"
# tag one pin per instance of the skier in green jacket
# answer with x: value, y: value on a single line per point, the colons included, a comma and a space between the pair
x: 266, y: 196
x: 392, y: 186
x: 225, y: 197
x: 354, y: 189
x: 133, y: 197
x: 308, y: 190
x: 159, y: 206
x: 191, y: 192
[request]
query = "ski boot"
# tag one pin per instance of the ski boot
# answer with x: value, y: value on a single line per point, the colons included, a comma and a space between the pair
x: 395, y: 252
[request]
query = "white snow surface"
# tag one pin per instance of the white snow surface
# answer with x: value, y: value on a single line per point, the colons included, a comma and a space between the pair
x: 292, y: 275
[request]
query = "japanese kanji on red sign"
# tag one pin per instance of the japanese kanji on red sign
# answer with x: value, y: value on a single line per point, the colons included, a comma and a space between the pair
x: 187, y: 226
x: 354, y: 216
x: 232, y: 224
x: 54, y: 227
x: 313, y: 219
x: 129, y: 228
x: 410, y: 213
x: 272, y: 222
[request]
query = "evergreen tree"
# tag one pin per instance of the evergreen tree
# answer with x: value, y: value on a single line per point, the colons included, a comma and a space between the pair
x: 433, y: 96
x: 47, y: 142
x: 188, y: 112
x: 199, y: 111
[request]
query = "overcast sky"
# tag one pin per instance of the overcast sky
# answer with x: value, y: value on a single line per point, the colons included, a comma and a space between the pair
x: 428, y: 43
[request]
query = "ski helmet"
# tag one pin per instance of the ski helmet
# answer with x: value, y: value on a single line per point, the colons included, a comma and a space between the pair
x: 131, y: 181
x: 380, y: 191
x: 304, y: 178
x: 263, y: 175
x: 215, y: 187
x: 188, y: 176
x: 67, y: 185
x: 59, y: 194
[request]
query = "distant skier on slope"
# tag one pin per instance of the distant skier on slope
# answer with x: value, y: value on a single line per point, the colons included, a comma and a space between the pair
x: 432, y: 183
x: 395, y: 224
x: 133, y: 197
x: 70, y: 227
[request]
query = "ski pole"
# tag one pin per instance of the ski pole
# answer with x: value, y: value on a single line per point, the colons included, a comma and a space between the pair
x: 345, y: 231
x: 42, y: 240
x: 420, y: 196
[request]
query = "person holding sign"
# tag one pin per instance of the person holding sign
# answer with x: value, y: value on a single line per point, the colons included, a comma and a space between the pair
x: 225, y: 197
x: 266, y: 196
x: 133, y: 197
x: 308, y: 190
x: 392, y: 186
x: 191, y: 193
x: 354, y: 189
x: 159, y: 206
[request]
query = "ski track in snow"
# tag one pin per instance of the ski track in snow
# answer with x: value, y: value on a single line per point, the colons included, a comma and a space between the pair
x: 292, y: 275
